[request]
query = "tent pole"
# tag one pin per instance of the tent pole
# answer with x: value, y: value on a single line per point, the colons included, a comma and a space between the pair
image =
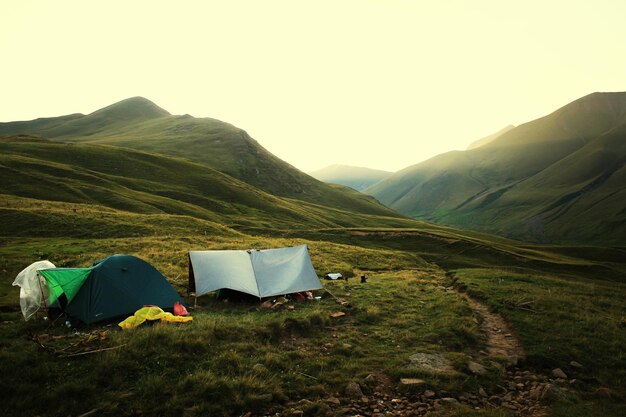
x: 43, y: 297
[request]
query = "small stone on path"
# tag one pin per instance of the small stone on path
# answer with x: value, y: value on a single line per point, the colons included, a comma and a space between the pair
x: 558, y: 373
x: 353, y: 390
x: 412, y: 381
x: 476, y: 368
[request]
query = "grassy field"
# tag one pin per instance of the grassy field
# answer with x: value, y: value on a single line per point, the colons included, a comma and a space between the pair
x: 564, y: 303
x: 208, y: 365
x: 211, y: 366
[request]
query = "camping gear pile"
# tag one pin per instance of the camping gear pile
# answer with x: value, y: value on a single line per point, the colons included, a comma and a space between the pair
x: 124, y: 285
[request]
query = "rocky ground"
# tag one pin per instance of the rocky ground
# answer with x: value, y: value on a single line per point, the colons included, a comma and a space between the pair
x: 520, y: 392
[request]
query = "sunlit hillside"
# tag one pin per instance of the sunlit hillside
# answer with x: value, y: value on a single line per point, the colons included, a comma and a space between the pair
x: 137, y: 123
x: 560, y: 178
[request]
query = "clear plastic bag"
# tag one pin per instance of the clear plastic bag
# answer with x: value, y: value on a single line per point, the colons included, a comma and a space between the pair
x: 34, y: 291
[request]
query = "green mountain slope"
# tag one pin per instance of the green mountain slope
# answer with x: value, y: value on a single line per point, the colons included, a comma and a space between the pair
x: 137, y: 123
x: 152, y: 184
x: 558, y: 178
x: 358, y: 178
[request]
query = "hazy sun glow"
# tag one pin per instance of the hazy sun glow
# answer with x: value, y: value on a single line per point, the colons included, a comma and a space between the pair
x: 381, y: 84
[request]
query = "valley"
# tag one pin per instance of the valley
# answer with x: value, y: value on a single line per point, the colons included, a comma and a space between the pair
x: 78, y: 188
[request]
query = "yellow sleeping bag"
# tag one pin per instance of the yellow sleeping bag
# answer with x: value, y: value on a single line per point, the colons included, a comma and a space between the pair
x: 151, y: 313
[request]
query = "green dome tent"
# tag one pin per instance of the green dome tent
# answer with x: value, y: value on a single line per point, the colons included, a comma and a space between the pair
x: 116, y: 286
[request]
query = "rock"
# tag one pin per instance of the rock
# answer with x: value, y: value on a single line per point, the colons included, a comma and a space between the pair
x: 509, y: 406
x: 353, y: 390
x: 189, y: 412
x: 494, y: 399
x: 603, y: 392
x: 370, y: 379
x: 476, y: 368
x: 333, y: 400
x: 536, y: 393
x: 259, y: 368
x: 558, y: 373
x: 412, y: 381
x: 337, y: 314
x: 553, y: 393
x: 429, y: 394
x: 575, y: 364
x: 435, y: 363
x: 449, y: 401
x: 482, y: 392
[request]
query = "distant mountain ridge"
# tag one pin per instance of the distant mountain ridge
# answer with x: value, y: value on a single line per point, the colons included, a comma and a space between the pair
x: 488, y: 139
x: 138, y: 123
x: 560, y: 178
x: 358, y: 178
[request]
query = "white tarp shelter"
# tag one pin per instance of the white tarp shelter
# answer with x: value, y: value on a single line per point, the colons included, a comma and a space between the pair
x: 262, y: 273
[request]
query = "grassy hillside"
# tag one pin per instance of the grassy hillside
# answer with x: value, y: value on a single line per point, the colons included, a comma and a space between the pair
x: 556, y: 179
x: 151, y: 184
x: 139, y: 124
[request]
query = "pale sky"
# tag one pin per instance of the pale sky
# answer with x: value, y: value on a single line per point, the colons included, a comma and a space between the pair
x: 380, y: 84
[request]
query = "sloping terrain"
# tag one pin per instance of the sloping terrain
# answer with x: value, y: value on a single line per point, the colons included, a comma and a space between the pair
x: 488, y: 139
x: 145, y: 183
x: 358, y: 178
x: 76, y: 204
x: 352, y: 352
x: 556, y: 179
x: 137, y: 123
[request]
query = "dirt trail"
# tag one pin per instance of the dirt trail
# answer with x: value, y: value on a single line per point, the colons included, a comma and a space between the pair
x: 523, y: 389
x: 500, y: 338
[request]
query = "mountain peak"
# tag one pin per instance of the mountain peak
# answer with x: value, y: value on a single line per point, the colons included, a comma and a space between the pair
x: 131, y: 109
